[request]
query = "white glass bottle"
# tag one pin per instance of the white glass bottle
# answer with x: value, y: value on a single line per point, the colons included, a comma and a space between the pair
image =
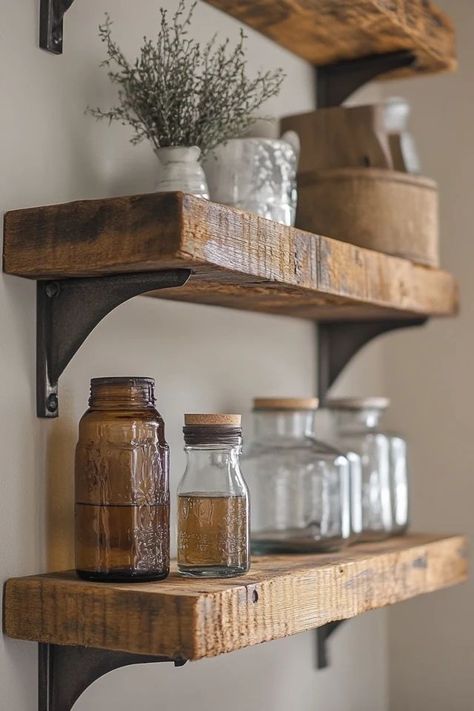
x: 384, y: 463
x: 299, y: 489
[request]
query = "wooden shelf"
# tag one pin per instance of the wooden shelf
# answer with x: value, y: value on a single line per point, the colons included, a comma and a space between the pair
x: 192, y: 619
x: 328, y: 31
x: 238, y: 260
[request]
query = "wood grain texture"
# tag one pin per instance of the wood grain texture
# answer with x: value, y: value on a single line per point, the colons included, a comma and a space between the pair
x: 239, y: 260
x: 328, y: 31
x: 192, y: 619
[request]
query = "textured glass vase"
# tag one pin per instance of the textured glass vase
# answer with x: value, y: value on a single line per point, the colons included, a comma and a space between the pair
x: 256, y: 175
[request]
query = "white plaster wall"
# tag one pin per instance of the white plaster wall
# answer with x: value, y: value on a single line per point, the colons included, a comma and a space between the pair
x: 202, y: 358
x: 431, y: 384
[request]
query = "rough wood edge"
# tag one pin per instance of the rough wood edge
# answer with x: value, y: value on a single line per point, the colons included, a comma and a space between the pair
x: 442, y: 62
x: 224, y: 245
x: 334, y: 601
x: 418, y: 26
x: 197, y: 619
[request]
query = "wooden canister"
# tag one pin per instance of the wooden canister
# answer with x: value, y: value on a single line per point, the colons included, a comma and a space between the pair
x: 384, y: 210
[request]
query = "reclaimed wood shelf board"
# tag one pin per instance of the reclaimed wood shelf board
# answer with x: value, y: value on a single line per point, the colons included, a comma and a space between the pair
x: 328, y: 31
x: 239, y: 260
x: 192, y: 619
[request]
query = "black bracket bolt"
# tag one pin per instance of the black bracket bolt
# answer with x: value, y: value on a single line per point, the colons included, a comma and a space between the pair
x: 52, y: 289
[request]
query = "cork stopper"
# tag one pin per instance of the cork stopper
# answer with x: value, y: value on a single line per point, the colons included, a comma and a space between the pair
x: 357, y: 403
x: 285, y: 403
x: 212, y: 420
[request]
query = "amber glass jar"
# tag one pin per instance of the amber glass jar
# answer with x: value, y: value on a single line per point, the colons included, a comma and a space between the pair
x: 121, y: 484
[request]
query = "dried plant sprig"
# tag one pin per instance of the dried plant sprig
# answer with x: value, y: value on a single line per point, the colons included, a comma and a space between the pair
x: 177, y: 93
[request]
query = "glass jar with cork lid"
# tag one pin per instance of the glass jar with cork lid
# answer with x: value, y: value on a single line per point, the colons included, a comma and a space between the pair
x: 213, y: 502
x: 300, y: 489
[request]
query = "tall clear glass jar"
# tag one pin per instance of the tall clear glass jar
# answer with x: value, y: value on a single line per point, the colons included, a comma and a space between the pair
x: 384, y: 463
x: 299, y: 489
x: 213, y: 501
x: 121, y: 484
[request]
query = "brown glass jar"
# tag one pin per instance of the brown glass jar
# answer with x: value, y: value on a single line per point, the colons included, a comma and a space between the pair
x: 121, y: 484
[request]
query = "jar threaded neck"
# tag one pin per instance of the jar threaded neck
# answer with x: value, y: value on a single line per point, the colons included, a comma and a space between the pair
x: 122, y: 391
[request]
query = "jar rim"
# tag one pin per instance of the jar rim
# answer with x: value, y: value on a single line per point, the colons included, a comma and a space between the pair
x: 297, y: 404
x: 357, y: 403
x: 123, y: 380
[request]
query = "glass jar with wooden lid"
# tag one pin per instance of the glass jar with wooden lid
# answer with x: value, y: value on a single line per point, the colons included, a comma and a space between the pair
x: 299, y: 488
x: 357, y: 425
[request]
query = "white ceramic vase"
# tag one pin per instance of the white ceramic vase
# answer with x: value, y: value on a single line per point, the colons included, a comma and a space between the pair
x: 181, y: 170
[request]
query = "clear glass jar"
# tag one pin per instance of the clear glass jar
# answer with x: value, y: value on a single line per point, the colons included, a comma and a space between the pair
x: 213, y: 501
x: 355, y: 486
x: 299, y: 489
x: 121, y: 484
x: 384, y: 464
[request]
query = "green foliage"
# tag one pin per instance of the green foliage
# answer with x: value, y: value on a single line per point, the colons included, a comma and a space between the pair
x: 177, y: 93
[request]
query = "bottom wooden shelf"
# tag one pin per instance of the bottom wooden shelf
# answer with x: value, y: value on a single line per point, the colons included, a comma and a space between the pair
x: 192, y: 619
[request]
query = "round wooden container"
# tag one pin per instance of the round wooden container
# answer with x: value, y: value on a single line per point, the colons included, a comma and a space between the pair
x: 384, y: 210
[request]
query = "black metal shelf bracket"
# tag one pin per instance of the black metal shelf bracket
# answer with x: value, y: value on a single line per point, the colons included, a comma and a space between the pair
x: 64, y: 673
x: 336, y: 82
x: 69, y: 309
x: 51, y: 24
x: 322, y: 636
x: 339, y: 341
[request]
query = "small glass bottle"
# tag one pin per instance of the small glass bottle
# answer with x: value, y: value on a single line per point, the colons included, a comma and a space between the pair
x: 384, y: 464
x: 300, y: 489
x: 121, y: 484
x: 213, y: 503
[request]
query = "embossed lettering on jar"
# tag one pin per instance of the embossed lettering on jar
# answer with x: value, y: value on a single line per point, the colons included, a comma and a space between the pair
x: 121, y: 484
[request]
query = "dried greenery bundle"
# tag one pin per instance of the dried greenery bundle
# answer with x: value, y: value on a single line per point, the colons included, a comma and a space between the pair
x: 178, y: 93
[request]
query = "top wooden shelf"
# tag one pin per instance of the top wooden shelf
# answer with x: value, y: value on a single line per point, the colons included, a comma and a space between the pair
x: 191, y: 619
x: 328, y: 31
x: 238, y: 260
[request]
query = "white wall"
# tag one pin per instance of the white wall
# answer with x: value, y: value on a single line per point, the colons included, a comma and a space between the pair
x: 431, y: 383
x: 202, y: 358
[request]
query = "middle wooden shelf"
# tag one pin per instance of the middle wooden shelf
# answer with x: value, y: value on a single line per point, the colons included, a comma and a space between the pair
x: 238, y: 260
